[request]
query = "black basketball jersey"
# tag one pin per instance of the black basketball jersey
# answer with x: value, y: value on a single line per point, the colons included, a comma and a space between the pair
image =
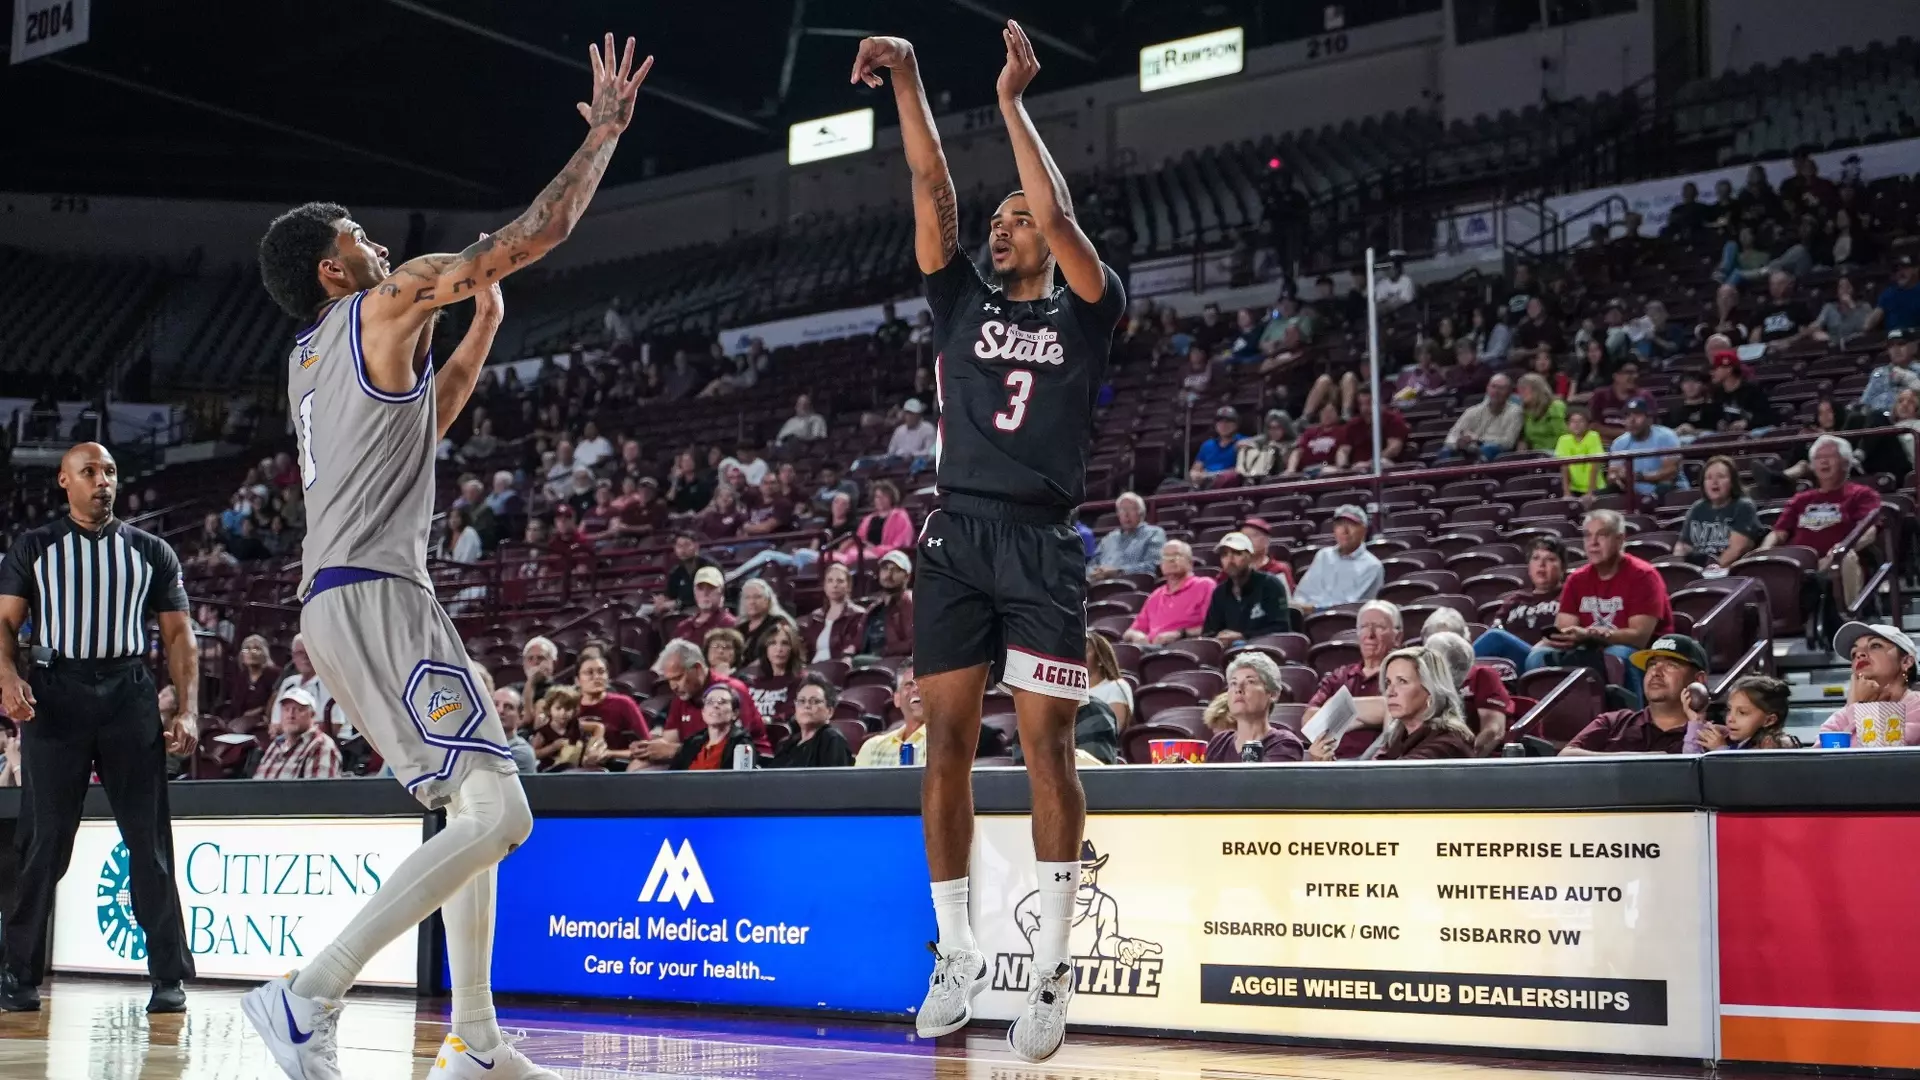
x: 1017, y: 382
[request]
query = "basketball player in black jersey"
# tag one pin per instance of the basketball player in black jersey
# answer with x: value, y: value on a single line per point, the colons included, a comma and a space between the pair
x: 1001, y: 590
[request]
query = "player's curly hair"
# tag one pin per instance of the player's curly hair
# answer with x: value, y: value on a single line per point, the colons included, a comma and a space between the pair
x: 290, y: 251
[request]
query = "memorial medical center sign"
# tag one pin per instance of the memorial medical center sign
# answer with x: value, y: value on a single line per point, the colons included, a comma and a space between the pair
x: 1572, y: 932
x: 740, y: 911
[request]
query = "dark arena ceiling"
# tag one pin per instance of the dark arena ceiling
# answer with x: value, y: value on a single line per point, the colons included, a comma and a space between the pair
x: 437, y: 103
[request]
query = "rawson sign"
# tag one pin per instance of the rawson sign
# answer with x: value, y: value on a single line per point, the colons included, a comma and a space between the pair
x: 1194, y: 59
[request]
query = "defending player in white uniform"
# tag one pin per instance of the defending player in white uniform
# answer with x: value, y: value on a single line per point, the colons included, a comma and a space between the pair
x: 368, y: 410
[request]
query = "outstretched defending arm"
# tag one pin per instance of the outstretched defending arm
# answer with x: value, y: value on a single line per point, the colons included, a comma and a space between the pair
x: 936, y: 213
x: 454, y: 383
x: 418, y: 286
x: 1040, y: 178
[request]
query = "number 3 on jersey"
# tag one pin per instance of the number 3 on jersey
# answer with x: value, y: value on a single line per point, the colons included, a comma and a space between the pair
x: 1020, y: 381
x: 307, y: 467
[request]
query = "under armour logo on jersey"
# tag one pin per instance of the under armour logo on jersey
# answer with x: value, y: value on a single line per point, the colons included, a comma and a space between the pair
x: 935, y: 541
x: 990, y: 306
x: 1059, y: 875
x: 1053, y: 311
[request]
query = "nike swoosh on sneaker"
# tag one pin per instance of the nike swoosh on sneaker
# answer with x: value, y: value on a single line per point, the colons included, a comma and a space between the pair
x: 488, y: 1065
x: 293, y: 1029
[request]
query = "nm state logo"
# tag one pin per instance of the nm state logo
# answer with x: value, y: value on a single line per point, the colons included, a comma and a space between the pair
x: 1106, y: 962
x: 443, y: 703
x: 113, y: 906
x: 676, y: 876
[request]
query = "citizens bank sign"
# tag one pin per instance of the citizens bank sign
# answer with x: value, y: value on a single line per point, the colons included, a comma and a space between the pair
x: 258, y: 897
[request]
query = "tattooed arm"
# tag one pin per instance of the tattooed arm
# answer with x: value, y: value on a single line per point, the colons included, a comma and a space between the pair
x: 1040, y: 178
x: 936, y: 214
x: 453, y: 384
x: 420, y: 285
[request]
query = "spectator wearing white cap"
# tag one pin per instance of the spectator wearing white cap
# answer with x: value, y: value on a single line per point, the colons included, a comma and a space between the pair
x: 301, y: 750
x: 890, y: 619
x: 709, y: 606
x: 1246, y: 602
x: 1345, y: 573
x: 1883, y: 707
x: 914, y: 437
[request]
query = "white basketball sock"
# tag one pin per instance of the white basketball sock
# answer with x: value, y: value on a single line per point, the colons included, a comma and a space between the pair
x: 469, y: 923
x: 487, y: 819
x: 1058, y: 882
x: 950, y: 914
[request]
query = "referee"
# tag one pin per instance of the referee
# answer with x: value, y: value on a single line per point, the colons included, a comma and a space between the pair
x: 84, y: 703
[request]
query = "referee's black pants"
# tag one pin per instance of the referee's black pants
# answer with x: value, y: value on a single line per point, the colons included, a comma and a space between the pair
x: 94, y: 716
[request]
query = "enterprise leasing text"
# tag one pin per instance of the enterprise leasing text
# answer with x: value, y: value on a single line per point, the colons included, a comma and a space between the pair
x: 662, y: 929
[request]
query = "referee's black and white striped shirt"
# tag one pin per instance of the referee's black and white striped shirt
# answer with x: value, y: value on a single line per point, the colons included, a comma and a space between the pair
x: 89, y: 594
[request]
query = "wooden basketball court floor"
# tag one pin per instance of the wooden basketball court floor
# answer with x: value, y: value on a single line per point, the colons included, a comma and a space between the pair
x: 92, y: 1029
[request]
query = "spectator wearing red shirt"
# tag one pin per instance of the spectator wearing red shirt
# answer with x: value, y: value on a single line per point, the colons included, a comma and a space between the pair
x: 624, y: 726
x: 709, y: 606
x: 1673, y: 663
x: 638, y: 511
x: 1485, y: 704
x: 1261, y: 534
x: 1608, y: 405
x: 1612, y: 606
x: 1319, y: 446
x: 1827, y: 513
x: 684, y: 670
x: 568, y: 542
x: 1357, y: 448
x: 1378, y: 630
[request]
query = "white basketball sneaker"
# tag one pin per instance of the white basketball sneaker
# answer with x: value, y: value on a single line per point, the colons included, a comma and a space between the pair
x: 299, y: 1032
x: 958, y: 978
x: 1038, y: 1032
x: 458, y: 1061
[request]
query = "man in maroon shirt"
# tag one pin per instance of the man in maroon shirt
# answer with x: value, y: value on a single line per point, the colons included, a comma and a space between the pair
x: 772, y: 510
x: 683, y: 668
x: 569, y: 543
x: 1358, y: 450
x: 1827, y: 513
x: 624, y: 726
x: 1674, y: 663
x: 709, y: 606
x: 1608, y: 406
x: 1319, y: 445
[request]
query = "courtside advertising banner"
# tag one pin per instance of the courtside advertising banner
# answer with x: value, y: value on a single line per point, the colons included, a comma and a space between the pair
x: 796, y: 912
x: 259, y: 896
x: 1569, y: 932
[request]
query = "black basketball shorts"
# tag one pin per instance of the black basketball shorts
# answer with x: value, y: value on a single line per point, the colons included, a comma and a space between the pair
x: 1003, y: 585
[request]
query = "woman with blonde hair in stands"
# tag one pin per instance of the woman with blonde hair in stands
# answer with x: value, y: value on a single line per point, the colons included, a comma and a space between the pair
x: 1218, y: 718
x: 1424, y: 717
x: 1543, y: 416
x: 1106, y: 683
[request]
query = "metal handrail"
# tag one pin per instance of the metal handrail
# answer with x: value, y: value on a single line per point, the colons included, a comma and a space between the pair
x: 1757, y: 659
x: 1535, y: 715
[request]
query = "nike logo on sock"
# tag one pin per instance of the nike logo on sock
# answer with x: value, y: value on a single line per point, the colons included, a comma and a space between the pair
x: 293, y: 1029
x: 488, y: 1065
